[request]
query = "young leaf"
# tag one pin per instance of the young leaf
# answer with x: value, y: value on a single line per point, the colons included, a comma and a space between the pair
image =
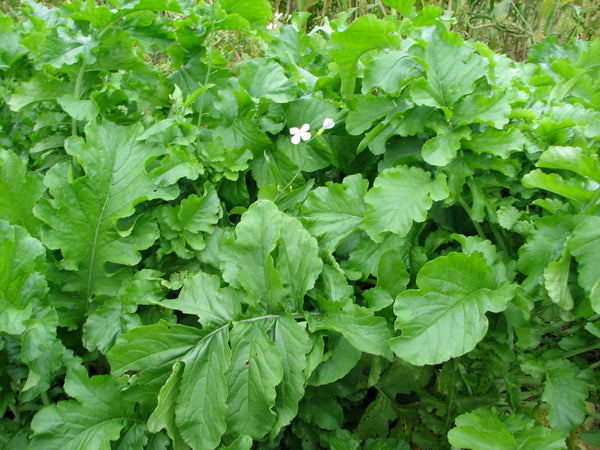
x: 399, y: 197
x: 445, y: 317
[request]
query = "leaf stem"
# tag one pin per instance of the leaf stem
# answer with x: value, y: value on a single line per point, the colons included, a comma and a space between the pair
x: 579, y: 351
x: 475, y: 223
x: 77, y: 95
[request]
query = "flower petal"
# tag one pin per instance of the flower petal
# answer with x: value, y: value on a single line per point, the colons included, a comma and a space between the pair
x: 294, y: 130
x: 328, y: 123
x: 305, y: 135
x: 305, y: 127
x: 296, y: 139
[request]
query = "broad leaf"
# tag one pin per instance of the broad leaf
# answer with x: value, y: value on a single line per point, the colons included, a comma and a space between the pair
x: 255, y: 371
x: 358, y: 325
x: 481, y: 429
x: 399, y: 197
x: 82, y: 217
x: 445, y: 317
x: 264, y: 78
x: 364, y: 34
x: 200, y: 410
x: 566, y: 394
x: 334, y: 211
x: 95, y: 419
x: 442, y: 149
x: 20, y: 189
x: 390, y: 70
x: 585, y: 245
x: 447, y: 79
x: 21, y: 281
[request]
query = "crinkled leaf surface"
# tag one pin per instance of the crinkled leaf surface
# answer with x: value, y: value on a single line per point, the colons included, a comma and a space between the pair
x: 264, y: 78
x: 447, y: 79
x: 81, y: 218
x: 283, y: 281
x: 566, y: 394
x: 364, y: 34
x: 334, y: 211
x: 365, y: 331
x: 255, y: 371
x: 399, y: 197
x: 585, y: 246
x: 20, y: 189
x: 21, y: 281
x: 481, y: 429
x: 445, y: 317
x: 96, y: 417
x: 390, y: 70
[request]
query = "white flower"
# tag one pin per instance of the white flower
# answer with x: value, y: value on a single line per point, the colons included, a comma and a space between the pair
x: 278, y: 16
x: 300, y: 133
x: 271, y: 26
x: 328, y: 123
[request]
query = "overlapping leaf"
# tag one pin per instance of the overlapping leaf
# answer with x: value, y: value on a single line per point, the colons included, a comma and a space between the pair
x: 81, y: 218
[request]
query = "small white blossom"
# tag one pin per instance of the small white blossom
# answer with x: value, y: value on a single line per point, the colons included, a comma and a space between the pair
x: 328, y: 123
x: 271, y: 26
x: 300, y: 133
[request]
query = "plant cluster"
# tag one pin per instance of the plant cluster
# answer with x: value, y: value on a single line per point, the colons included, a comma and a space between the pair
x: 377, y: 235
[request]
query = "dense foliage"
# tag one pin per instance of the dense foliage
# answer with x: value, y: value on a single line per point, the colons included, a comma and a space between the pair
x: 419, y: 268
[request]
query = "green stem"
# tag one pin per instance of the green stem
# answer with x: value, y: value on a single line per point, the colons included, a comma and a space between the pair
x: 77, y: 95
x: 45, y: 398
x: 475, y: 224
x: 210, y: 47
x: 579, y: 351
x: 451, y: 396
x: 594, y: 200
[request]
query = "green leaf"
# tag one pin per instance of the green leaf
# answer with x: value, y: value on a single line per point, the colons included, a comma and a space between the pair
x: 445, y: 317
x: 274, y: 283
x: 255, y: 371
x: 556, y: 281
x: 82, y: 217
x: 332, y: 212
x: 186, y: 225
x: 164, y: 414
x: 404, y: 7
x: 442, y: 149
x: 264, y: 78
x: 22, y: 259
x: 257, y: 12
x: 20, y: 189
x: 481, y: 108
x: 566, y: 395
x: 202, y: 295
x: 574, y: 159
x: 95, y: 419
x: 447, y: 79
x: 584, y: 246
x: 390, y: 70
x: 555, y: 183
x: 496, y: 142
x: 481, y: 430
x: 201, y: 402
x: 85, y: 110
x: 544, y: 246
x: 364, y: 34
x: 293, y: 344
x: 399, y: 197
x: 365, y: 331
x: 341, y: 357
x: 392, y: 273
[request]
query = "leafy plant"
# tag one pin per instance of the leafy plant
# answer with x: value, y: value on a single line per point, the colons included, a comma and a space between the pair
x: 344, y: 243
